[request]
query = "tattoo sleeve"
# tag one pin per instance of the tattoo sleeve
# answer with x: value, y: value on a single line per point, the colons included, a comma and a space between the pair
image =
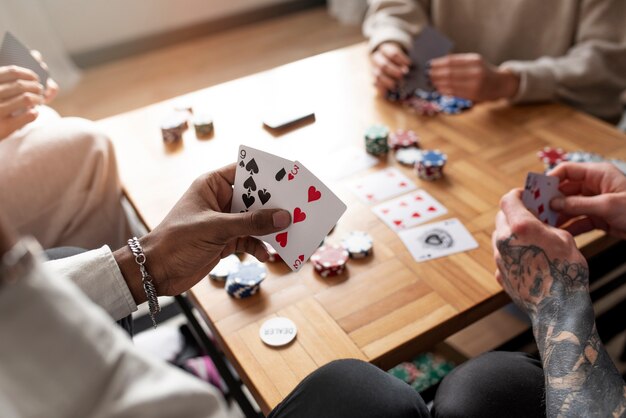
x: 581, y: 379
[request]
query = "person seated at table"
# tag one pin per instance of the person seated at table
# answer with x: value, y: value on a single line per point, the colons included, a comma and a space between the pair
x: 59, y: 179
x: 526, y: 51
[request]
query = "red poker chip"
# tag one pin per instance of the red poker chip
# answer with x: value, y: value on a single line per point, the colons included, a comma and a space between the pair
x: 552, y: 156
x: 403, y: 139
x: 329, y: 258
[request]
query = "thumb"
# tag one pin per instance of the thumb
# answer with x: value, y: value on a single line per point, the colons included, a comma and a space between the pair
x: 258, y: 222
x: 581, y: 205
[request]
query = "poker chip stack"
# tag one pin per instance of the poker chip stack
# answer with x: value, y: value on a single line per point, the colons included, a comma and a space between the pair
x: 407, y: 372
x: 423, y: 107
x: 245, y: 280
x: 430, y: 165
x: 551, y: 157
x: 203, y: 125
x: 408, y: 156
x: 376, y: 138
x: 330, y: 260
x: 173, y: 127
x: 584, y: 157
x: 358, y: 244
x: 224, y: 268
x: 451, y: 105
x: 432, y: 368
x: 403, y: 139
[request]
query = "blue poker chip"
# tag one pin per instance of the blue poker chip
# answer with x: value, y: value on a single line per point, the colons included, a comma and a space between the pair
x: 245, y: 280
x: 427, y: 95
x: 433, y: 158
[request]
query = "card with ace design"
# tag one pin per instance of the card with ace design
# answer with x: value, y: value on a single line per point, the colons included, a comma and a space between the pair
x: 259, y: 178
x: 409, y: 210
x: 539, y: 190
x: 382, y: 185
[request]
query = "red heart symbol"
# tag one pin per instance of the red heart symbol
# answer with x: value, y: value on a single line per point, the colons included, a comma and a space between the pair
x: 314, y: 194
x: 403, y: 184
x: 416, y: 215
x: 418, y: 198
x: 397, y: 222
x: 290, y: 176
x: 432, y: 209
x: 369, y: 196
x: 403, y: 204
x: 298, y: 216
x: 385, y: 211
x: 301, y: 257
x: 282, y: 239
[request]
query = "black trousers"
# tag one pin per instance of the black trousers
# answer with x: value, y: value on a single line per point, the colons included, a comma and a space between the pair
x: 495, y: 384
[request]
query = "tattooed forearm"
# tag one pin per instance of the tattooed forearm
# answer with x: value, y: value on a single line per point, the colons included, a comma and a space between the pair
x: 581, y: 379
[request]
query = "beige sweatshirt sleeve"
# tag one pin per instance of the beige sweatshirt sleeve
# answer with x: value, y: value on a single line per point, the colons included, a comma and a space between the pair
x: 395, y: 20
x: 592, y: 73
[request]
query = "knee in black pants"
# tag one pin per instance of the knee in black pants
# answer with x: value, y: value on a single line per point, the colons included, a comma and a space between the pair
x: 351, y: 388
x: 495, y: 384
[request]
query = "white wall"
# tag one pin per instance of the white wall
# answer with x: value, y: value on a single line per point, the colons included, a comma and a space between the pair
x: 84, y: 25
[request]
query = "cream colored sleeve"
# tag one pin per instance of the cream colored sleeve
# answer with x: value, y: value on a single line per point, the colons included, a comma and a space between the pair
x: 395, y: 20
x: 592, y: 74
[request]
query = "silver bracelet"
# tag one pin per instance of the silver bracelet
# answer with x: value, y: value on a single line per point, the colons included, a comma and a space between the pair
x: 146, y: 279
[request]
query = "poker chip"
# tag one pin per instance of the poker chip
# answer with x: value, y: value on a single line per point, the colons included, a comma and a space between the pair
x: 551, y: 157
x: 584, y: 157
x: 452, y: 105
x: 403, y: 139
x: 407, y: 372
x: 330, y: 260
x: 376, y: 137
x: 358, y: 244
x: 427, y: 95
x: 423, y: 107
x: 245, y: 280
x: 274, y: 256
x: 408, y: 156
x: 203, y: 125
x: 173, y: 127
x: 278, y: 331
x: 430, y: 165
x: 224, y: 268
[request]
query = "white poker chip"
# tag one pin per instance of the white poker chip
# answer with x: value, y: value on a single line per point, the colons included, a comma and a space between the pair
x: 278, y: 331
x: 408, y: 156
x: 359, y: 244
x: 225, y: 267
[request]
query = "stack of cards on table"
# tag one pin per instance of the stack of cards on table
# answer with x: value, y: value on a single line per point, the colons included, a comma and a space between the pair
x: 265, y: 181
x: 403, y: 208
x: 13, y: 52
x: 539, y: 190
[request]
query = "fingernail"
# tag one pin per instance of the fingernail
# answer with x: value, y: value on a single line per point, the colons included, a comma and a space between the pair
x: 557, y: 203
x: 281, y: 219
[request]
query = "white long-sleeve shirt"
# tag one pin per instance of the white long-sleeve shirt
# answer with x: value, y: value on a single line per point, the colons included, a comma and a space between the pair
x: 63, y: 356
x: 568, y: 50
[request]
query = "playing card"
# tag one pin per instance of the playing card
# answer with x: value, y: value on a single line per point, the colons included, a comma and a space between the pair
x: 429, y: 44
x: 13, y: 52
x: 315, y: 210
x: 437, y: 239
x: 409, y: 210
x: 259, y: 178
x: 538, y: 192
x: 382, y: 185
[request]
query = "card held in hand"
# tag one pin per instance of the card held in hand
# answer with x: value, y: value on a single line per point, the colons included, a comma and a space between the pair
x: 539, y: 190
x: 13, y: 52
x: 265, y: 181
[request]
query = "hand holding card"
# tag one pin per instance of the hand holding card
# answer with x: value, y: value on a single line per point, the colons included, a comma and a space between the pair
x: 13, y: 52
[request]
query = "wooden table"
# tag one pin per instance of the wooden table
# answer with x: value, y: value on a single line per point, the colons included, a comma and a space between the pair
x: 387, y: 307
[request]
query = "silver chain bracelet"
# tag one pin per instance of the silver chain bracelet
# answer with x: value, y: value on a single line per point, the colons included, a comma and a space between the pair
x: 146, y: 279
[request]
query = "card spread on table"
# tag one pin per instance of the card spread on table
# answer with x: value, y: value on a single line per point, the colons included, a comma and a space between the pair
x: 538, y: 192
x: 429, y: 44
x: 382, y: 185
x: 13, y: 52
x: 437, y: 239
x: 265, y: 181
x: 409, y: 210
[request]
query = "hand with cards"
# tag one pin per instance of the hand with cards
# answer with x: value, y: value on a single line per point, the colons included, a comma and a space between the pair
x: 471, y: 77
x: 539, y: 191
x: 266, y: 181
x: 594, y: 198
x: 24, y: 84
x: 197, y: 233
